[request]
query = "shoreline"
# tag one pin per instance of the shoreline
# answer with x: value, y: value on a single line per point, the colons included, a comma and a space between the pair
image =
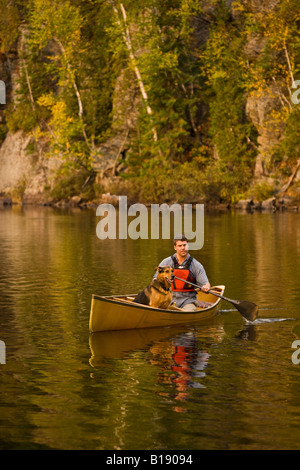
x: 274, y: 204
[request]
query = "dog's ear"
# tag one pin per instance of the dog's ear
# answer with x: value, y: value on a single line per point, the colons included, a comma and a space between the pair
x: 159, y: 269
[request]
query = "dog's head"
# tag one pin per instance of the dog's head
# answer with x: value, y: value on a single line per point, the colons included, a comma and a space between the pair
x: 165, y: 273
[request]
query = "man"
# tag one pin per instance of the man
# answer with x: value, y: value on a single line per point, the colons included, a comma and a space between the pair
x: 188, y: 269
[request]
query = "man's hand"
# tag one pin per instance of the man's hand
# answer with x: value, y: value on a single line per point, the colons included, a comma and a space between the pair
x: 206, y: 287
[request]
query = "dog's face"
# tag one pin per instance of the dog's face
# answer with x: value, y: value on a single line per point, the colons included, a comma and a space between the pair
x: 166, y: 273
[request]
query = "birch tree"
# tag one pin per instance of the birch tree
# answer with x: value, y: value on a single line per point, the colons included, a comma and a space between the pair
x: 61, y: 23
x: 123, y: 24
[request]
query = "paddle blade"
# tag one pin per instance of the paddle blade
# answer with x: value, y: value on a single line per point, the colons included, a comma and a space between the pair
x: 249, y: 310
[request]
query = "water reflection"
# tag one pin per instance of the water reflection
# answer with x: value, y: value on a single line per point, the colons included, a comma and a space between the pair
x: 236, y: 380
x: 181, y: 357
x: 180, y: 362
x: 116, y: 344
x: 248, y: 333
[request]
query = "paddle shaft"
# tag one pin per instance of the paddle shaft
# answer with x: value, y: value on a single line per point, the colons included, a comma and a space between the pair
x: 235, y: 302
x: 208, y: 292
x: 249, y: 310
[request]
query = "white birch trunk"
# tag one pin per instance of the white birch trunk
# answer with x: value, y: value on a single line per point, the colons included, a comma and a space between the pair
x: 127, y: 40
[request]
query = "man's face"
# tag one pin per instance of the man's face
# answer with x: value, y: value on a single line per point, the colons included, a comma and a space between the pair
x: 181, y: 248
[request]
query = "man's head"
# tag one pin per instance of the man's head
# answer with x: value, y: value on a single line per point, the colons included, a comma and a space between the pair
x: 181, y: 245
x: 180, y: 237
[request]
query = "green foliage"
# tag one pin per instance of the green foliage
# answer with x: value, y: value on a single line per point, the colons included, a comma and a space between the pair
x: 226, y: 72
x: 289, y: 147
x: 9, y: 24
x: 222, y: 183
x: 193, y: 138
x: 68, y: 184
x: 186, y: 183
x: 18, y: 191
x: 20, y: 117
x: 3, y: 132
x: 164, y: 184
x: 261, y: 191
x: 66, y: 81
x: 170, y: 75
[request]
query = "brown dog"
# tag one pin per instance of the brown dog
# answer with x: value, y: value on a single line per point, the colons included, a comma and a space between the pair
x: 158, y: 293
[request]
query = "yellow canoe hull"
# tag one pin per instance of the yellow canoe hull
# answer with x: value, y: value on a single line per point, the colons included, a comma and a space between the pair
x: 120, y: 313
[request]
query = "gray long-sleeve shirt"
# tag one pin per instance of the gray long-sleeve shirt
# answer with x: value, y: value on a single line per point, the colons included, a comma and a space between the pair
x: 183, y: 298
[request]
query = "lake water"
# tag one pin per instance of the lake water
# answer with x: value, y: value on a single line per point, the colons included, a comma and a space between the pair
x: 224, y: 385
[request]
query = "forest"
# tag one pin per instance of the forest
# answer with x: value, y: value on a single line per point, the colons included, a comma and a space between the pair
x: 194, y: 100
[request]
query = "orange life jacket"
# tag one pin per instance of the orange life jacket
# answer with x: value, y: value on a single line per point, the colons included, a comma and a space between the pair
x: 184, y: 273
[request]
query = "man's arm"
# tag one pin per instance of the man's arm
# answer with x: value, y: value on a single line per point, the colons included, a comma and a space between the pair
x: 201, y: 277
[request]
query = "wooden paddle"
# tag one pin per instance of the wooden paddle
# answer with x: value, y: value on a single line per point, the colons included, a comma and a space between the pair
x: 249, y: 310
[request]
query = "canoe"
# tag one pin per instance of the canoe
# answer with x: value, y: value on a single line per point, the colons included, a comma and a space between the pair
x: 119, y: 312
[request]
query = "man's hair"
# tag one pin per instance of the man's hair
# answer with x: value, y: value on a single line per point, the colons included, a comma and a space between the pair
x: 181, y: 238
